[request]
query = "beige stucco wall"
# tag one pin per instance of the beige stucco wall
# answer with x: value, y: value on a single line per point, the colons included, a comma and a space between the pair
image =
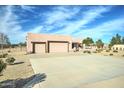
x: 31, y: 37
x: 118, y: 47
x: 29, y: 45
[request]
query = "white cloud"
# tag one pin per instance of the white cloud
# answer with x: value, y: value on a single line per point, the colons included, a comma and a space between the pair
x: 107, y: 28
x: 10, y: 26
x: 58, y: 18
x: 27, y: 8
x: 37, y: 29
x: 87, y: 17
x: 60, y: 14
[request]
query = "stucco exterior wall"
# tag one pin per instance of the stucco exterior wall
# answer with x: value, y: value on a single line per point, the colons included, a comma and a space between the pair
x: 31, y: 37
x: 29, y: 45
x: 118, y: 47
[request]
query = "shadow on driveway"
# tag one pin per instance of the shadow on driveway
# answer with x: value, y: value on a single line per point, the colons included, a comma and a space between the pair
x: 23, y: 83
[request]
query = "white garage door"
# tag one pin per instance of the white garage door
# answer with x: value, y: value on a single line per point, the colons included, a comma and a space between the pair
x: 58, y: 47
x: 39, y: 48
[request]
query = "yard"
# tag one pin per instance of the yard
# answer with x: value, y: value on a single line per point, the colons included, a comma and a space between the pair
x: 79, y: 70
x: 74, y: 69
x: 17, y: 71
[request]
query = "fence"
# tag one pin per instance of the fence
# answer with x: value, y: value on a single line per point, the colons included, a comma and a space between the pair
x: 15, y: 49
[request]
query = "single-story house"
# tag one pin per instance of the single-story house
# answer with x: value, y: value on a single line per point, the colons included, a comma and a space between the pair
x: 118, y: 47
x: 44, y: 43
x: 90, y: 47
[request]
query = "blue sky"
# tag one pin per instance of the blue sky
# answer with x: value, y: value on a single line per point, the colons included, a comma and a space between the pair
x: 97, y: 22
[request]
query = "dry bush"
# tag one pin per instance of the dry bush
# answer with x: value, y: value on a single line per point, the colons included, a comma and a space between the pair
x: 10, y: 60
x: 2, y: 66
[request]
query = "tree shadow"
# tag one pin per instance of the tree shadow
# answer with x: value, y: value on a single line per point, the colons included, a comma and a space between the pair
x: 23, y: 82
x: 16, y: 63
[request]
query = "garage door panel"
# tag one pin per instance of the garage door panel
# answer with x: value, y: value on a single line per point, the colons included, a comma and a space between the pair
x: 58, y: 47
x: 39, y: 48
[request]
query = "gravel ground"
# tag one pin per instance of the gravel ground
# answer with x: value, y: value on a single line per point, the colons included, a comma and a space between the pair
x: 18, y: 71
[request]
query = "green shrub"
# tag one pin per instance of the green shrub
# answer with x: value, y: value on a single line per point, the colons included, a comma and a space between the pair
x: 107, y: 50
x: 2, y: 66
x: 115, y: 51
x: 3, y: 55
x: 87, y: 51
x: 94, y: 52
x: 111, y: 54
x: 98, y: 51
x: 10, y: 60
x: 9, y: 51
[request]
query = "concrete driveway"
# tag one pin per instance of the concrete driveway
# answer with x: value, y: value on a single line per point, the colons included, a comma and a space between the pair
x: 80, y: 71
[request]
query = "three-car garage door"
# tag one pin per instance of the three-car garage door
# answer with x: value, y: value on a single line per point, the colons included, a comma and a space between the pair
x: 39, y: 48
x: 58, y: 47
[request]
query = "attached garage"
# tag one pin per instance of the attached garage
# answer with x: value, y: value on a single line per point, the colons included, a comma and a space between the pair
x: 58, y: 46
x: 44, y: 43
x: 39, y: 47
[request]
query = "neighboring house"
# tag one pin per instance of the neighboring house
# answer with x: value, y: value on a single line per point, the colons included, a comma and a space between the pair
x: 118, y: 47
x: 44, y: 43
x: 91, y: 47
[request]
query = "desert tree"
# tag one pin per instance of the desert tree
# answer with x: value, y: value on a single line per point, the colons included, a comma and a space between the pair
x: 116, y: 40
x: 4, y: 41
x: 122, y: 41
x: 99, y: 43
x: 88, y: 41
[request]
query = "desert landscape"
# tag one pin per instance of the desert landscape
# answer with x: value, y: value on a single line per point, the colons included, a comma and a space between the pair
x: 58, y: 46
x: 69, y: 69
x: 17, y: 71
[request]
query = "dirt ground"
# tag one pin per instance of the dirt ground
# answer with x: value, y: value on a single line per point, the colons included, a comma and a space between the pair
x: 118, y: 54
x: 17, y: 71
x: 25, y: 70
